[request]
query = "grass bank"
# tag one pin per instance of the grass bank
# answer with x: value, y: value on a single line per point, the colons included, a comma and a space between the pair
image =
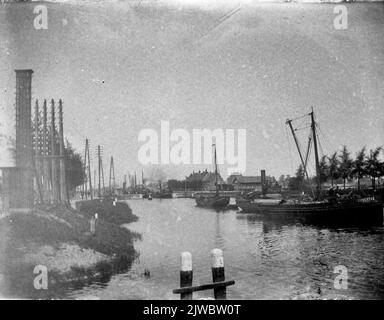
x: 59, y: 238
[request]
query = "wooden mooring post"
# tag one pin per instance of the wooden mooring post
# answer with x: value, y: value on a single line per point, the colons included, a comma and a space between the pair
x: 186, y: 275
x: 219, y: 284
x: 218, y: 274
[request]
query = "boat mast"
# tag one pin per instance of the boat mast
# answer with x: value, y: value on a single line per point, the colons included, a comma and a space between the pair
x: 308, y: 149
x: 289, y: 122
x: 216, y: 185
x: 316, y: 153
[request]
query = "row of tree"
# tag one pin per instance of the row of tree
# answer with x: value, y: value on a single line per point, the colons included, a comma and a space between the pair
x: 340, y: 165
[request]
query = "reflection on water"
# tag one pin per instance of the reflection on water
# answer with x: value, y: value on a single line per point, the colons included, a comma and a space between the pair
x: 268, y: 260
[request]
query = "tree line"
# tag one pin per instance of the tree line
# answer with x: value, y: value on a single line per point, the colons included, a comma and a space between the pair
x: 341, y: 165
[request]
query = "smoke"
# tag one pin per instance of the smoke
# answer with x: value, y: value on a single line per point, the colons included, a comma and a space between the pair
x: 155, y: 174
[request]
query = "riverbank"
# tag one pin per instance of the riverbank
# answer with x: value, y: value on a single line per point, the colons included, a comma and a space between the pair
x: 59, y: 238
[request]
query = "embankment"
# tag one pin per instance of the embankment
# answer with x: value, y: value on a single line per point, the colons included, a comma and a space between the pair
x: 59, y: 238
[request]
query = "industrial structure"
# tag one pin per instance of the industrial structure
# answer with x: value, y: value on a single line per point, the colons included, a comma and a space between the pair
x: 38, y: 176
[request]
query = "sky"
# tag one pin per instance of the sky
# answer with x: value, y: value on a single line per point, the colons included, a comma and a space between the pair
x: 121, y: 67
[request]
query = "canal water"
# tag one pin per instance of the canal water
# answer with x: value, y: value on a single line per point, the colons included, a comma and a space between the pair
x: 267, y: 260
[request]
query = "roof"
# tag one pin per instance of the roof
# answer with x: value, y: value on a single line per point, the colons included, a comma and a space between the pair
x: 196, y: 176
x: 232, y: 178
x: 247, y: 179
x: 203, y: 176
x: 210, y: 176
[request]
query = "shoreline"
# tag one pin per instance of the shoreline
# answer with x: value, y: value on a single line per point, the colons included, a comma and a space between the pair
x: 59, y: 238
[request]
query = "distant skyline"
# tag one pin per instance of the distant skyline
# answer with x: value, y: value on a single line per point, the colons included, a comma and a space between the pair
x: 123, y: 67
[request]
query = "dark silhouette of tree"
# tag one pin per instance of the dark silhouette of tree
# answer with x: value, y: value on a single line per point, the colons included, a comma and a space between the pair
x: 10, y: 144
x: 374, y: 165
x: 345, y: 166
x: 74, y: 172
x: 323, y: 164
x: 296, y: 183
x: 333, y: 167
x: 359, y: 166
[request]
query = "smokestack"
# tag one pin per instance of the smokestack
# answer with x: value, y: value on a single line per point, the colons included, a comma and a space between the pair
x: 24, y: 150
x: 263, y: 182
x: 22, y: 195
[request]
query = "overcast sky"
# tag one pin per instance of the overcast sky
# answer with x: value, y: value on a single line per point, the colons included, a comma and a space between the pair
x: 122, y: 67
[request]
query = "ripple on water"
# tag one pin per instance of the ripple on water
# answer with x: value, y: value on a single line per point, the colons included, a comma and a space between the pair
x: 268, y: 260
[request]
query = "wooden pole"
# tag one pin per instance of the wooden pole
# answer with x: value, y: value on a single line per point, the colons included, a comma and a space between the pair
x: 102, y: 174
x: 89, y: 175
x: 38, y: 154
x: 114, y: 179
x: 111, y: 176
x: 314, y: 137
x: 84, y: 185
x: 99, y: 168
x: 186, y: 274
x: 55, y: 180
x: 218, y: 273
x: 94, y: 181
x: 37, y: 151
x: 203, y: 287
x: 63, y: 185
x: 46, y: 173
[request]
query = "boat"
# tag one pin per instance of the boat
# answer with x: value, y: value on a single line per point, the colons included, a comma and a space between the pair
x: 131, y: 196
x: 162, y: 194
x: 319, y: 209
x: 212, y: 200
x: 317, y: 212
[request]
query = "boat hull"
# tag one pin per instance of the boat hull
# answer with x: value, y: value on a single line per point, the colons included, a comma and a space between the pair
x: 350, y: 213
x: 212, y: 201
x: 162, y: 195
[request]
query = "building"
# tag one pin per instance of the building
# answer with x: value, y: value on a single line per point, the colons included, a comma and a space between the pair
x: 247, y: 183
x: 252, y: 183
x: 232, y: 177
x: 18, y: 181
x: 203, y: 180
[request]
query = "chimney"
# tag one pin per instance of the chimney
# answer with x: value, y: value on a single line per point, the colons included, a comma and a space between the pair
x: 263, y: 182
x: 24, y: 151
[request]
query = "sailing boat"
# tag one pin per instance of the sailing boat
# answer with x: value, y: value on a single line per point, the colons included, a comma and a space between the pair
x: 212, y: 200
x: 317, y: 210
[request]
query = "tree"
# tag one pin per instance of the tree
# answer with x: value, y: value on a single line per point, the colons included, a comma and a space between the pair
x: 333, y: 167
x: 374, y: 165
x: 296, y: 183
x: 323, y: 169
x: 282, y: 181
x: 74, y: 173
x: 345, y: 166
x: 359, y: 166
x: 10, y: 144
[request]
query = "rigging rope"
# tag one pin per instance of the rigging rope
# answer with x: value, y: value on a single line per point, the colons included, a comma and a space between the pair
x: 302, y: 128
x: 328, y: 142
x: 289, y: 148
x: 320, y: 146
x: 298, y: 118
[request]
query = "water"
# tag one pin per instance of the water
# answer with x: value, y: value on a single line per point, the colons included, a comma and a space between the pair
x: 267, y: 260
